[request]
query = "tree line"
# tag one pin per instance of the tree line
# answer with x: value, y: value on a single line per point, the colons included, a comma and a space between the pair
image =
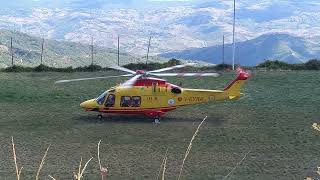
x: 313, y: 64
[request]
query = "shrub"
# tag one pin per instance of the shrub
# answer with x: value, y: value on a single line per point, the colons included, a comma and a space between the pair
x: 152, y: 66
x: 275, y: 65
x: 42, y: 68
x: 222, y: 67
x: 16, y: 68
x: 173, y: 62
x: 91, y: 67
x: 313, y: 65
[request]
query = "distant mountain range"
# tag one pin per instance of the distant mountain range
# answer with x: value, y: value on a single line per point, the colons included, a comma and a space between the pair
x: 27, y: 52
x: 174, y: 25
x: 273, y: 46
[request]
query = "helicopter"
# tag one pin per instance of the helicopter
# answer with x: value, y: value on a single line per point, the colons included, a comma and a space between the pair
x: 143, y: 94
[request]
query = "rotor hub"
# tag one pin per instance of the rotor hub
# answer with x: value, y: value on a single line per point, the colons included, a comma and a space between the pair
x: 141, y: 72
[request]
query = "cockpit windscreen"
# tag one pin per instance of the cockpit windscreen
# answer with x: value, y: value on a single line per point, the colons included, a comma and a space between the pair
x: 101, y: 98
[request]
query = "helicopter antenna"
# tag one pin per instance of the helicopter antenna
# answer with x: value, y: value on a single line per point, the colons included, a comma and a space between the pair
x: 148, y: 51
x: 91, y: 50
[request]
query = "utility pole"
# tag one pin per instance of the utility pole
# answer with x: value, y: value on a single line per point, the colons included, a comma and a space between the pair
x: 91, y: 51
x: 223, y: 49
x: 148, y: 50
x: 233, y: 36
x: 11, y: 49
x: 118, y: 50
x: 41, y: 58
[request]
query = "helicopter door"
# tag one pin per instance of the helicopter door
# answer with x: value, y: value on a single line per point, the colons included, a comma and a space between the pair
x: 110, y: 100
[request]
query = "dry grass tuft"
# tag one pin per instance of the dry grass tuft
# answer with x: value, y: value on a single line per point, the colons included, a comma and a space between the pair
x: 79, y: 175
x: 103, y: 170
x: 52, y: 177
x: 238, y: 164
x: 163, y: 163
x: 164, y: 168
x: 318, y: 171
x: 42, y: 162
x: 18, y: 171
x: 190, y: 146
x: 316, y: 126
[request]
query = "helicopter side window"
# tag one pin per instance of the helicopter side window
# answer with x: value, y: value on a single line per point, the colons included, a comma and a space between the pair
x: 136, y: 101
x: 125, y: 101
x: 110, y: 100
x: 101, y: 98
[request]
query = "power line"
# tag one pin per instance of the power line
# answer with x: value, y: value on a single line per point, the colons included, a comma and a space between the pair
x: 223, y: 49
x: 233, y: 36
x: 118, y: 50
x: 91, y: 50
x: 41, y: 58
x: 11, y: 49
x: 148, y: 51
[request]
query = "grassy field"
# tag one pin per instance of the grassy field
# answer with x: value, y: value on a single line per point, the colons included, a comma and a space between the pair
x: 273, y: 121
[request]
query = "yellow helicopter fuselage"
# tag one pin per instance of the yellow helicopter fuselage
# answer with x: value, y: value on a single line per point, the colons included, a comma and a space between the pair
x: 154, y: 97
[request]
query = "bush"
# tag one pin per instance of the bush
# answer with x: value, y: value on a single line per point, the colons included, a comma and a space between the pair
x: 276, y: 65
x: 172, y: 62
x: 91, y: 67
x: 313, y: 65
x: 152, y: 66
x: 223, y: 67
x: 16, y: 68
x: 143, y: 66
x: 42, y: 68
x: 67, y: 69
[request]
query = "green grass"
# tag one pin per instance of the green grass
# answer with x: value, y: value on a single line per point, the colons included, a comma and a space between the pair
x: 273, y: 120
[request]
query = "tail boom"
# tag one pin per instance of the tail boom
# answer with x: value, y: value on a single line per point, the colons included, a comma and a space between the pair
x: 199, y: 96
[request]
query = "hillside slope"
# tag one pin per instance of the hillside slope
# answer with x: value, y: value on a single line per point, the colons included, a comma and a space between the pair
x: 278, y: 46
x: 174, y: 25
x: 27, y: 50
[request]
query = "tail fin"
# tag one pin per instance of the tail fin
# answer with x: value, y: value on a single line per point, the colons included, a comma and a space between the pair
x: 233, y: 89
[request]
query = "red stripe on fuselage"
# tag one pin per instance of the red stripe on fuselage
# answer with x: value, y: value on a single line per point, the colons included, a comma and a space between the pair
x: 143, y: 111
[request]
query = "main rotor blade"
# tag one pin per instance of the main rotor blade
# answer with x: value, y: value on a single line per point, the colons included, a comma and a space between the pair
x: 186, y: 74
x: 131, y: 81
x: 92, y: 78
x: 122, y: 69
x: 173, y: 67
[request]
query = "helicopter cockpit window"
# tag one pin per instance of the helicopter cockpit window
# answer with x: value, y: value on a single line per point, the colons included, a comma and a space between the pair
x: 101, y: 98
x: 125, y: 101
x: 136, y: 101
x: 110, y: 100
